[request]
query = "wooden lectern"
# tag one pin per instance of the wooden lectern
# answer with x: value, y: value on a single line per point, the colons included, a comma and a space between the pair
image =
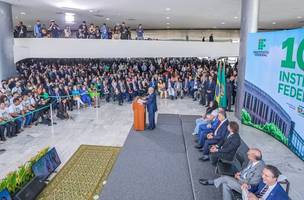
x: 139, y: 110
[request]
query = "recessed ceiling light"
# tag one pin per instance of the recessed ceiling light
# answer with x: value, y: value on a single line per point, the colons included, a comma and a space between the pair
x: 235, y: 17
x: 299, y: 17
x: 214, y: 26
x: 168, y: 23
x: 91, y: 11
x: 223, y: 23
x: 168, y: 26
x: 168, y: 9
x: 22, y: 13
x: 274, y: 23
x: 107, y: 19
x: 167, y: 17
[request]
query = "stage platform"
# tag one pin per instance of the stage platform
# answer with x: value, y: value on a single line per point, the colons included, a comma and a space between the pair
x: 161, y: 164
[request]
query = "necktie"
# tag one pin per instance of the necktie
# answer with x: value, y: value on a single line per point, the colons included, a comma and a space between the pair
x: 263, y: 191
x: 246, y: 171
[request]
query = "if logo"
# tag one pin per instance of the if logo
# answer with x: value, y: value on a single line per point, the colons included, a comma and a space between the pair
x: 262, y: 44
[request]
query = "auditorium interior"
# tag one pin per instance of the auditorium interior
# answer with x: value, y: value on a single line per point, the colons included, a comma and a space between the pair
x: 151, y: 100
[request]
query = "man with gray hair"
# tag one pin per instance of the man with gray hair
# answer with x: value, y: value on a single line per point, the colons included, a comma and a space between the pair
x: 151, y: 107
x: 251, y: 175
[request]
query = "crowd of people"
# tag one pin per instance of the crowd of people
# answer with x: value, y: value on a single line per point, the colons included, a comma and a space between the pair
x: 84, y: 31
x: 70, y: 83
x: 219, y: 141
x: 66, y: 84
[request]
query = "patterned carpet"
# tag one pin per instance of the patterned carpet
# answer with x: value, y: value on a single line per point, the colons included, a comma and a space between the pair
x: 83, y: 175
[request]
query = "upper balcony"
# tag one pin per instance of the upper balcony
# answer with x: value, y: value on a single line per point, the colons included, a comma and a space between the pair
x: 96, y: 48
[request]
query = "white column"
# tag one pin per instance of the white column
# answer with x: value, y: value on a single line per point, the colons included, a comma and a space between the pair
x: 7, y: 67
x: 249, y: 24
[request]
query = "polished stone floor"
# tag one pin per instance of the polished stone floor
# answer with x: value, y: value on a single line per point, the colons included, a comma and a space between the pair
x: 109, y: 126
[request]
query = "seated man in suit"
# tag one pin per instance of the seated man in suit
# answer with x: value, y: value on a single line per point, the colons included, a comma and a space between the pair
x: 205, y: 119
x: 204, y: 129
x: 214, y: 137
x: 267, y: 189
x: 250, y: 175
x: 228, y: 146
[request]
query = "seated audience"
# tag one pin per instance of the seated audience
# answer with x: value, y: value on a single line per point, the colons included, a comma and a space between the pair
x: 42, y: 83
x: 250, y: 175
x: 268, y: 188
x: 215, y: 137
x: 205, y: 119
x: 204, y: 129
x: 228, y: 146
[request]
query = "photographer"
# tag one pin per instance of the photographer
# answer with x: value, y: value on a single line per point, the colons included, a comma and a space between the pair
x: 54, y: 29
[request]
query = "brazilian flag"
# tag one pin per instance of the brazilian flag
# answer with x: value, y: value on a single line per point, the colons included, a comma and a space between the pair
x: 220, y: 89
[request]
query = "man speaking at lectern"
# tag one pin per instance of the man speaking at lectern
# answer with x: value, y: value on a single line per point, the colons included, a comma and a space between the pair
x: 151, y: 107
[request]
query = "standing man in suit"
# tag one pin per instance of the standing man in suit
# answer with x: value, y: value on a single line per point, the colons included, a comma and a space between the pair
x: 250, y: 175
x: 228, y: 146
x: 268, y: 188
x: 214, y: 137
x: 229, y: 91
x: 210, y: 89
x: 151, y: 107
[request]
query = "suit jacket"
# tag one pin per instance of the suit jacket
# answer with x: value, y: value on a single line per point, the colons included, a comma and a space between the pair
x: 277, y: 193
x: 204, y: 129
x: 228, y: 146
x: 210, y: 86
x: 221, y: 131
x: 253, y: 174
x: 151, y: 103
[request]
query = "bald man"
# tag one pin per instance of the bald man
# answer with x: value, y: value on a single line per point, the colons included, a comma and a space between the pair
x: 251, y: 175
x: 151, y: 107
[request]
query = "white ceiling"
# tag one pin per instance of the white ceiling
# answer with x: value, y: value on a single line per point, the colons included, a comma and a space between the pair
x: 184, y: 14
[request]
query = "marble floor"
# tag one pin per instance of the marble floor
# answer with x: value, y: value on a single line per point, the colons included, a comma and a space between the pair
x: 109, y: 126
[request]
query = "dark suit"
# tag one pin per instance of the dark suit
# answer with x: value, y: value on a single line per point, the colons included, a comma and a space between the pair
x: 210, y: 85
x: 277, y: 192
x: 220, y: 133
x: 229, y: 90
x: 227, y: 148
x: 152, y: 108
x: 203, y: 130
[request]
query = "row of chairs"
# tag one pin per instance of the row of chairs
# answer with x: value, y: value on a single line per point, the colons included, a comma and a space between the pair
x: 239, y: 162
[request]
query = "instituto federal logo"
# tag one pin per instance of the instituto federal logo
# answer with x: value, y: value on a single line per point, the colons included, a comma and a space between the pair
x: 261, y: 48
x: 261, y: 44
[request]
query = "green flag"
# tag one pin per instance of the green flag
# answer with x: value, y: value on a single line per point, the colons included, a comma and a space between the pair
x: 223, y: 99
x: 218, y: 84
x: 220, y: 89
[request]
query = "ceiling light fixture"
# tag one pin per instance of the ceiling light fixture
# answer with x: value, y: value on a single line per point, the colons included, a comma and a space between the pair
x: 69, y: 18
x: 274, y: 23
x: 107, y: 19
x: 168, y: 23
x: 168, y: 9
x: 223, y: 23
x: 167, y: 17
x: 299, y: 17
x: 22, y: 13
x: 91, y: 11
x: 168, y: 27
x: 235, y: 17
x: 70, y: 5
